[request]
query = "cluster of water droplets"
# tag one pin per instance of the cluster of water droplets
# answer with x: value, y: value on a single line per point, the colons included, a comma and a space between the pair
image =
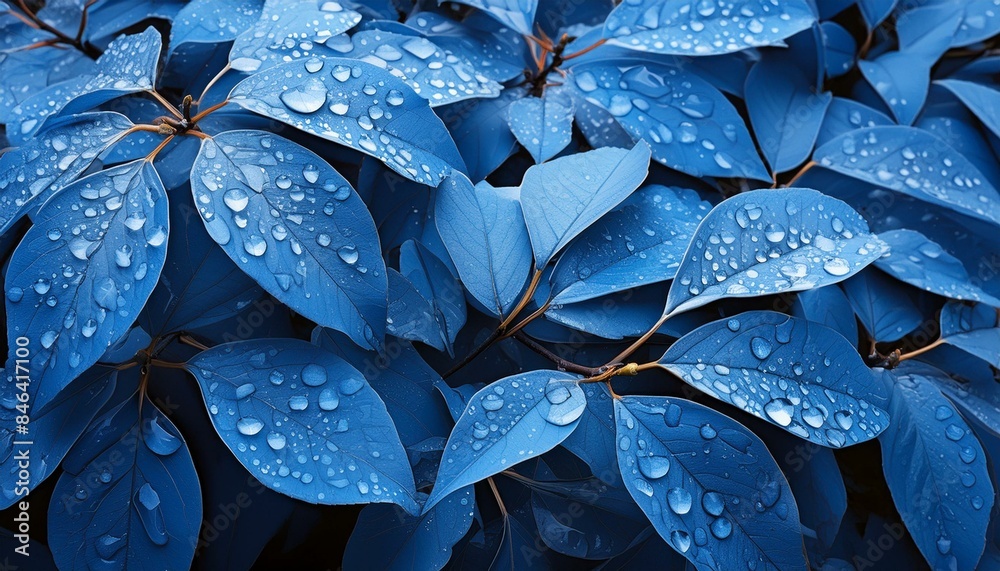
x: 497, y: 55
x: 704, y: 26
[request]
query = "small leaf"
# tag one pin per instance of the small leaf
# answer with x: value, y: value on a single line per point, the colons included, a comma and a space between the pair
x: 312, y: 243
x: 708, y: 485
x: 773, y: 241
x: 688, y: 123
x: 892, y: 156
x: 411, y: 316
x: 796, y: 374
x: 563, y: 197
x: 938, y: 472
x: 481, y: 132
x: 705, y: 27
x: 516, y: 14
x: 507, y: 422
x: 974, y: 329
x: 291, y: 29
x: 484, y: 231
x: 213, y: 21
x: 869, y: 293
x: 640, y: 242
x: 81, y: 275
x: 593, y: 441
x: 432, y: 279
x: 978, y: 98
x: 829, y: 306
x: 543, y: 126
x: 304, y: 422
x: 359, y: 105
x: 129, y: 494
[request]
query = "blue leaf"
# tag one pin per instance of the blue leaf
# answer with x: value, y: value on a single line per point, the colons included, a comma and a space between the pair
x: 497, y: 54
x: 52, y: 429
x: 26, y: 72
x: 359, y: 105
x: 593, y: 441
x: 199, y: 284
x: 875, y: 11
x: 936, y: 471
x: 839, y: 48
x: 439, y: 76
x: 890, y: 156
x: 641, y: 242
x: 128, y: 65
x: 403, y: 380
x: 129, y: 496
x: 980, y: 22
x: 54, y: 159
x: 978, y: 398
x: 563, y: 197
x: 304, y: 422
x: 126, y: 348
x: 845, y: 115
x: 213, y: 21
x: 886, y: 321
x: 796, y: 374
x: 705, y: 27
x: 481, y: 132
x: 484, y: 231
x: 411, y: 316
x: 708, y: 485
x: 406, y: 542
x: 785, y: 110
x: 767, y: 242
x: 689, y: 124
x: 627, y: 313
x: 978, y: 98
x: 432, y: 279
x: 295, y: 29
x: 398, y: 205
x: 829, y: 306
x: 924, y: 264
x: 108, y: 17
x: 543, y: 125
x: 107, y: 232
x: 533, y: 413
x: 599, y: 126
x: 518, y: 15
x: 973, y: 328
x: 307, y: 217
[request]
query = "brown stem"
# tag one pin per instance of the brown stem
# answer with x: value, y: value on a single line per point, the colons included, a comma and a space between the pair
x: 169, y: 106
x: 188, y: 340
x: 638, y: 343
x: 561, y: 363
x: 152, y: 156
x: 586, y: 50
x: 920, y: 351
x: 805, y: 168
x: 202, y: 114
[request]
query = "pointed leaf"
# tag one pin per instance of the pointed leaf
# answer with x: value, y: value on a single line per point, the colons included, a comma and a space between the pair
x: 532, y: 412
x: 884, y: 306
x: 432, y: 279
x: 213, y: 21
x: 829, y: 306
x: 84, y: 270
x: 772, y: 241
x: 980, y: 100
x: 516, y: 14
x: 705, y: 27
x: 563, y: 197
x: 304, y: 422
x: 312, y: 244
x: 543, y: 126
x: 974, y: 329
x: 411, y: 316
x: 708, y: 485
x: 937, y: 471
x: 796, y: 374
x: 484, y: 231
x: 359, y: 105
x: 593, y: 441
x: 481, y: 132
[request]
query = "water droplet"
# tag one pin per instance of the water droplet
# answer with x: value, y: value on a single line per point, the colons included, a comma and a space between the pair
x: 147, y: 505
x: 654, y: 467
x: 236, y: 199
x: 298, y: 402
x: 679, y: 500
x: 712, y: 503
x: 837, y: 267
x: 349, y: 254
x: 313, y: 375
x: 721, y: 528
x: 276, y: 440
x: 780, y: 411
x: 565, y: 405
x: 255, y: 245
x: 248, y: 425
x: 306, y: 98
x: 329, y: 400
x: 492, y: 402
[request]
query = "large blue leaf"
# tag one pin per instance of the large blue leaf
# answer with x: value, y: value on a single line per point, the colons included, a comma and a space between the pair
x: 974, y: 329
x: 563, y: 197
x: 199, y: 284
x: 936, y: 470
x: 708, y: 485
x: 640, y: 242
x: 543, y: 125
x: 913, y: 162
x: 625, y: 313
x: 829, y: 306
x: 924, y: 264
x: 53, y: 159
x: 433, y: 280
x: 772, y: 241
x: 405, y: 542
x: 213, y: 21
x: 52, y: 430
x: 507, y: 422
x: 291, y: 29
x: 439, y: 76
x: 885, y: 307
x: 82, y: 273
x: 359, y: 105
x: 129, y: 497
x: 304, y: 422
x: 312, y: 243
x: 785, y: 110
x: 484, y: 231
x: 689, y: 124
x: 705, y: 27
x: 796, y: 374
x: 128, y: 65
x: 518, y: 15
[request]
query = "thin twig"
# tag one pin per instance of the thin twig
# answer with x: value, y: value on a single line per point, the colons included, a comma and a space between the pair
x: 217, y: 77
x: 202, y: 114
x: 638, y: 343
x: 561, y: 363
x: 921, y: 351
x: 805, y: 168
x: 152, y: 156
x: 188, y: 340
x: 169, y: 106
x: 586, y: 50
